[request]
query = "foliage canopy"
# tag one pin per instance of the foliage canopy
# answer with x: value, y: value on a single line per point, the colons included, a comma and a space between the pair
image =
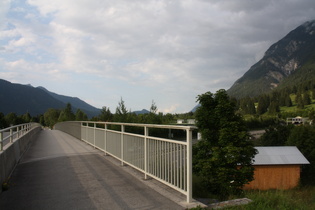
x: 224, y: 156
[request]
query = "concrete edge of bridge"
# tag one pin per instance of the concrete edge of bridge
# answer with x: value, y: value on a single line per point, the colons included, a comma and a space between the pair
x: 159, y: 187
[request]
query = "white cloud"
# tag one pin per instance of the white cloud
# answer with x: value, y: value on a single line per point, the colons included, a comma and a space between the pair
x: 168, y: 51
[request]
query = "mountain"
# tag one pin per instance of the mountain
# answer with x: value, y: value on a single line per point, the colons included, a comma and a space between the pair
x: 143, y: 111
x: 21, y: 99
x: 75, y: 102
x: 293, y: 55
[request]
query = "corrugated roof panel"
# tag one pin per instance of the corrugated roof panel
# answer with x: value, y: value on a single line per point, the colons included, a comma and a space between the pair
x: 284, y: 155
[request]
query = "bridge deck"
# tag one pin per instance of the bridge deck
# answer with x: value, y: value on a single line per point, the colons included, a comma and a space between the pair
x: 60, y: 172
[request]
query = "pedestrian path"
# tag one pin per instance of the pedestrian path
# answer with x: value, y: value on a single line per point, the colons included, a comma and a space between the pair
x: 61, y: 172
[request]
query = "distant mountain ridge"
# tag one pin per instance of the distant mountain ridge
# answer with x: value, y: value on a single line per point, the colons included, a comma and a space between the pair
x: 20, y: 99
x: 143, y: 111
x: 283, y: 59
x: 74, y: 101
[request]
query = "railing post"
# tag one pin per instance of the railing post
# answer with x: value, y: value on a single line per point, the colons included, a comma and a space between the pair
x: 81, y: 130
x: 11, y: 135
x: 18, y: 131
x: 122, y: 144
x: 94, y: 135
x: 146, y: 133
x: 105, y: 138
x: 1, y: 141
x: 86, y: 131
x: 189, y: 165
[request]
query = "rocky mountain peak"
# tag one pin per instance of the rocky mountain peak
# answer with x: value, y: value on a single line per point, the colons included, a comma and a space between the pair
x: 281, y: 60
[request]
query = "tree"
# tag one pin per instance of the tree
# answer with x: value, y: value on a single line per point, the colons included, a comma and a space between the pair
x: 121, y: 114
x: 51, y: 117
x: 3, y: 123
x: 80, y: 115
x: 66, y: 114
x: 303, y: 137
x: 299, y: 101
x: 12, y: 119
x: 275, y: 135
x: 263, y: 104
x: 27, y: 117
x: 273, y: 107
x: 153, y: 108
x: 247, y: 106
x: 288, y: 101
x: 224, y: 156
x: 105, y: 115
x: 306, y: 98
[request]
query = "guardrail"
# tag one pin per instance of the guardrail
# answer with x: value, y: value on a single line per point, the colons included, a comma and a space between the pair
x: 8, y: 135
x: 166, y: 160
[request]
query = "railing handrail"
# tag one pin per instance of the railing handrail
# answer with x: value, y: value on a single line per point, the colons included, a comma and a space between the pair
x: 178, y: 152
x: 21, y: 129
x: 178, y: 127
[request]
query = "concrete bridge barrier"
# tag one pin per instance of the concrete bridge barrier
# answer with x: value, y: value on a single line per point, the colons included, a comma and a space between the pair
x: 11, y: 153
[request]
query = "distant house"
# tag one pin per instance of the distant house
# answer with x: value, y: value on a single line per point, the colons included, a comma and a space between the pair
x: 277, y: 168
x: 191, y: 121
x: 188, y: 121
x: 180, y: 121
x: 296, y: 120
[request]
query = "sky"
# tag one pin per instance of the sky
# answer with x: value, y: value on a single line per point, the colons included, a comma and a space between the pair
x: 165, y: 52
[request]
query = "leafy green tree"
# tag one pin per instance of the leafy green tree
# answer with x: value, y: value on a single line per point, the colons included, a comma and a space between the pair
x: 51, y: 117
x: 27, y: 117
x: 224, y: 156
x: 80, y: 115
x: 12, y: 119
x: 66, y: 114
x: 3, y: 123
x: 304, y: 138
x: 275, y: 135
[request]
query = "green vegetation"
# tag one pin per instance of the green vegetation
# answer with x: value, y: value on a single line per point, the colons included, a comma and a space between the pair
x: 299, y: 198
x: 302, y: 197
x: 222, y: 159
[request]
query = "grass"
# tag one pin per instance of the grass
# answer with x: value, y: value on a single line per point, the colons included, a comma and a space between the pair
x: 300, y: 198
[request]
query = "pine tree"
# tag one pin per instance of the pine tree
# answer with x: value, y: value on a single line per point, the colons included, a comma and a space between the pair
x: 306, y: 98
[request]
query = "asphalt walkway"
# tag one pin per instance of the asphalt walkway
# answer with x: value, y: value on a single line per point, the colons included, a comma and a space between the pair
x: 61, y: 172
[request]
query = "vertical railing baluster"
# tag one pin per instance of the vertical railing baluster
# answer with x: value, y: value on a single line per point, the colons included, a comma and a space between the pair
x: 122, y: 144
x: 189, y: 164
x: 94, y: 135
x: 105, y: 139
x: 146, y: 133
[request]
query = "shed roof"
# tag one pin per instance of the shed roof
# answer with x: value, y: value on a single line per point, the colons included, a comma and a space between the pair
x: 279, y: 155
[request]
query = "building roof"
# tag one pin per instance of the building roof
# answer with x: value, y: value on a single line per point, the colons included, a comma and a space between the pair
x: 282, y: 155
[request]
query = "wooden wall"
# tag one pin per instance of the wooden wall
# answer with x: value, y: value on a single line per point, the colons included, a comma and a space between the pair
x: 275, y: 177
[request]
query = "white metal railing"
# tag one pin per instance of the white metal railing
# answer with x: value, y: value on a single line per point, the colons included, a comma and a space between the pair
x: 10, y: 134
x: 166, y: 160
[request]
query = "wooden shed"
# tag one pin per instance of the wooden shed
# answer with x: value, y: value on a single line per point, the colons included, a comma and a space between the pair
x: 277, y: 168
